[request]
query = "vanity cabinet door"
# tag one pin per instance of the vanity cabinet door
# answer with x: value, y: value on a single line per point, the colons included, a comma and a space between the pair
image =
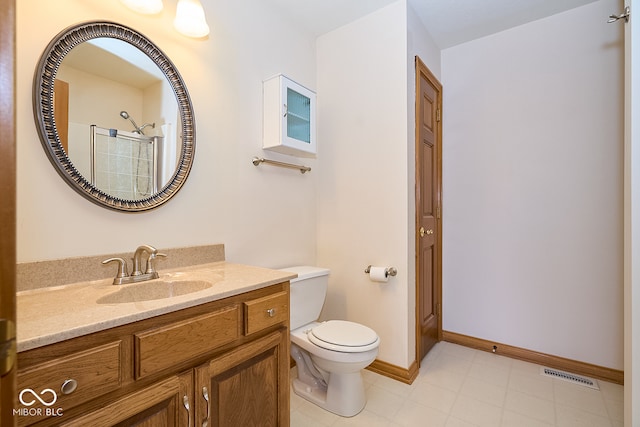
x: 247, y: 386
x: 166, y: 403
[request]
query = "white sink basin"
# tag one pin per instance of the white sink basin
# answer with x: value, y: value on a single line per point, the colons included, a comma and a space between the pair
x: 154, y: 289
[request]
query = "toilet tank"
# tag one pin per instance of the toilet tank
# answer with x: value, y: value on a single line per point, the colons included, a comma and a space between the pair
x: 308, y: 292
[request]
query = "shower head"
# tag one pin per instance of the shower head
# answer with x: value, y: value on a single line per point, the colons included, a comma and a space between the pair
x: 138, y: 129
x: 126, y: 116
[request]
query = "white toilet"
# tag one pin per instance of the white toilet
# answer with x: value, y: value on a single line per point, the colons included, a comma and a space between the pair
x: 329, y: 355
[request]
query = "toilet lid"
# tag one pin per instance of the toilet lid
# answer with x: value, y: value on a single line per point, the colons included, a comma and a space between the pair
x: 341, y: 335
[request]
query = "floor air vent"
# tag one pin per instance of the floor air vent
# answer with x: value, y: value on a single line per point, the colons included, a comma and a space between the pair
x: 572, y: 378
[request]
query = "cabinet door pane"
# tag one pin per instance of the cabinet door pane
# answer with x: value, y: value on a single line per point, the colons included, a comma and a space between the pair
x: 298, y: 116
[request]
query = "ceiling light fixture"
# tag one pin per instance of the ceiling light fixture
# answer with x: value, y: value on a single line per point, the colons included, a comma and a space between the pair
x: 190, y: 20
x: 148, y: 7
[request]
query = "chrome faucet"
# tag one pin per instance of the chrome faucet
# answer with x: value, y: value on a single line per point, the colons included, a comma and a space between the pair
x: 150, y: 273
x: 137, y: 258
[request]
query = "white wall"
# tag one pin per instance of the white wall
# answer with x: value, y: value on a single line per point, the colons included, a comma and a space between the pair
x: 532, y: 187
x: 419, y: 43
x: 264, y: 216
x: 104, y: 96
x: 365, y: 188
x: 632, y: 222
x: 362, y: 153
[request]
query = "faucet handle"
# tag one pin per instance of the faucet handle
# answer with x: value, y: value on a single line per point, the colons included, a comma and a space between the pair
x: 150, y: 262
x: 122, y: 267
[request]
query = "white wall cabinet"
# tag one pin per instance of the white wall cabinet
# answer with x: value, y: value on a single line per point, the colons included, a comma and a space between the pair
x: 289, y: 117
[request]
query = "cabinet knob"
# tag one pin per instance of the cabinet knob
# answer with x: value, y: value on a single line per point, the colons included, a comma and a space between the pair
x: 69, y: 386
x: 271, y: 312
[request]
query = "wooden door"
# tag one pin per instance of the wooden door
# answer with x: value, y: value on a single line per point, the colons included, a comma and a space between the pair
x: 244, y: 387
x: 61, y: 111
x: 8, y: 395
x: 428, y: 200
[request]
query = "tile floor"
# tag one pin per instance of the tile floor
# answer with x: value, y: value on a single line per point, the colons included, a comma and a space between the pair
x: 461, y: 387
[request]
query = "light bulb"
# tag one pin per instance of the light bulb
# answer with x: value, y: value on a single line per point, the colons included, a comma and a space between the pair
x: 148, y: 7
x: 190, y: 20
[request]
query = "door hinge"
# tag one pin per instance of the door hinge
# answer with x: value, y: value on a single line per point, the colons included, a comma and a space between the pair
x: 438, y: 115
x: 438, y: 212
x: 437, y: 309
x: 7, y: 345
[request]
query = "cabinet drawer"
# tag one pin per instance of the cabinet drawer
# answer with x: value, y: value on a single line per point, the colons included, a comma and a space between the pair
x: 163, y: 347
x: 95, y: 372
x: 266, y: 311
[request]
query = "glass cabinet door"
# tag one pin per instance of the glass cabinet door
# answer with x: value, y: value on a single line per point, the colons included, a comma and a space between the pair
x: 298, y: 116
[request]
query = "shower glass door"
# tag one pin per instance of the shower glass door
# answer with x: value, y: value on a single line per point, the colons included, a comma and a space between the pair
x: 123, y: 163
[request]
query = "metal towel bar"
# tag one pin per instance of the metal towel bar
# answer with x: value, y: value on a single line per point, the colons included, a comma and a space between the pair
x: 257, y: 160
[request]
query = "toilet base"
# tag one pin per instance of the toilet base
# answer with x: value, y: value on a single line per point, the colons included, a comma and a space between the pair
x: 344, y: 395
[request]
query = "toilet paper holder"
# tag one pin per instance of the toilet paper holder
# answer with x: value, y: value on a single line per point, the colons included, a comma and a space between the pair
x: 389, y: 271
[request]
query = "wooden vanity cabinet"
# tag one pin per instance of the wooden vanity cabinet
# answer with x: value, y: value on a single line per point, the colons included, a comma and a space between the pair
x: 224, y: 363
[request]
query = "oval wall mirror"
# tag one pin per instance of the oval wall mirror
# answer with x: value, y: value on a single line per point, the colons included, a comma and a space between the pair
x: 114, y: 116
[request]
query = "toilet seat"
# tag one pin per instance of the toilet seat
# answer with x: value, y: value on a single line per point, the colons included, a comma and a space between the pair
x: 344, y: 336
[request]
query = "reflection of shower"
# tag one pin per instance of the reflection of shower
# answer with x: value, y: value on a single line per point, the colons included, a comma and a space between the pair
x: 124, y: 164
x: 139, y: 130
x: 126, y: 116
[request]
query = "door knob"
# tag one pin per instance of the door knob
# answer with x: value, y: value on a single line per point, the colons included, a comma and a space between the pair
x: 427, y: 232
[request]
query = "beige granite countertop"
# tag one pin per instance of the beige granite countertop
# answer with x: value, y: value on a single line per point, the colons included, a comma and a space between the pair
x: 49, y: 315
